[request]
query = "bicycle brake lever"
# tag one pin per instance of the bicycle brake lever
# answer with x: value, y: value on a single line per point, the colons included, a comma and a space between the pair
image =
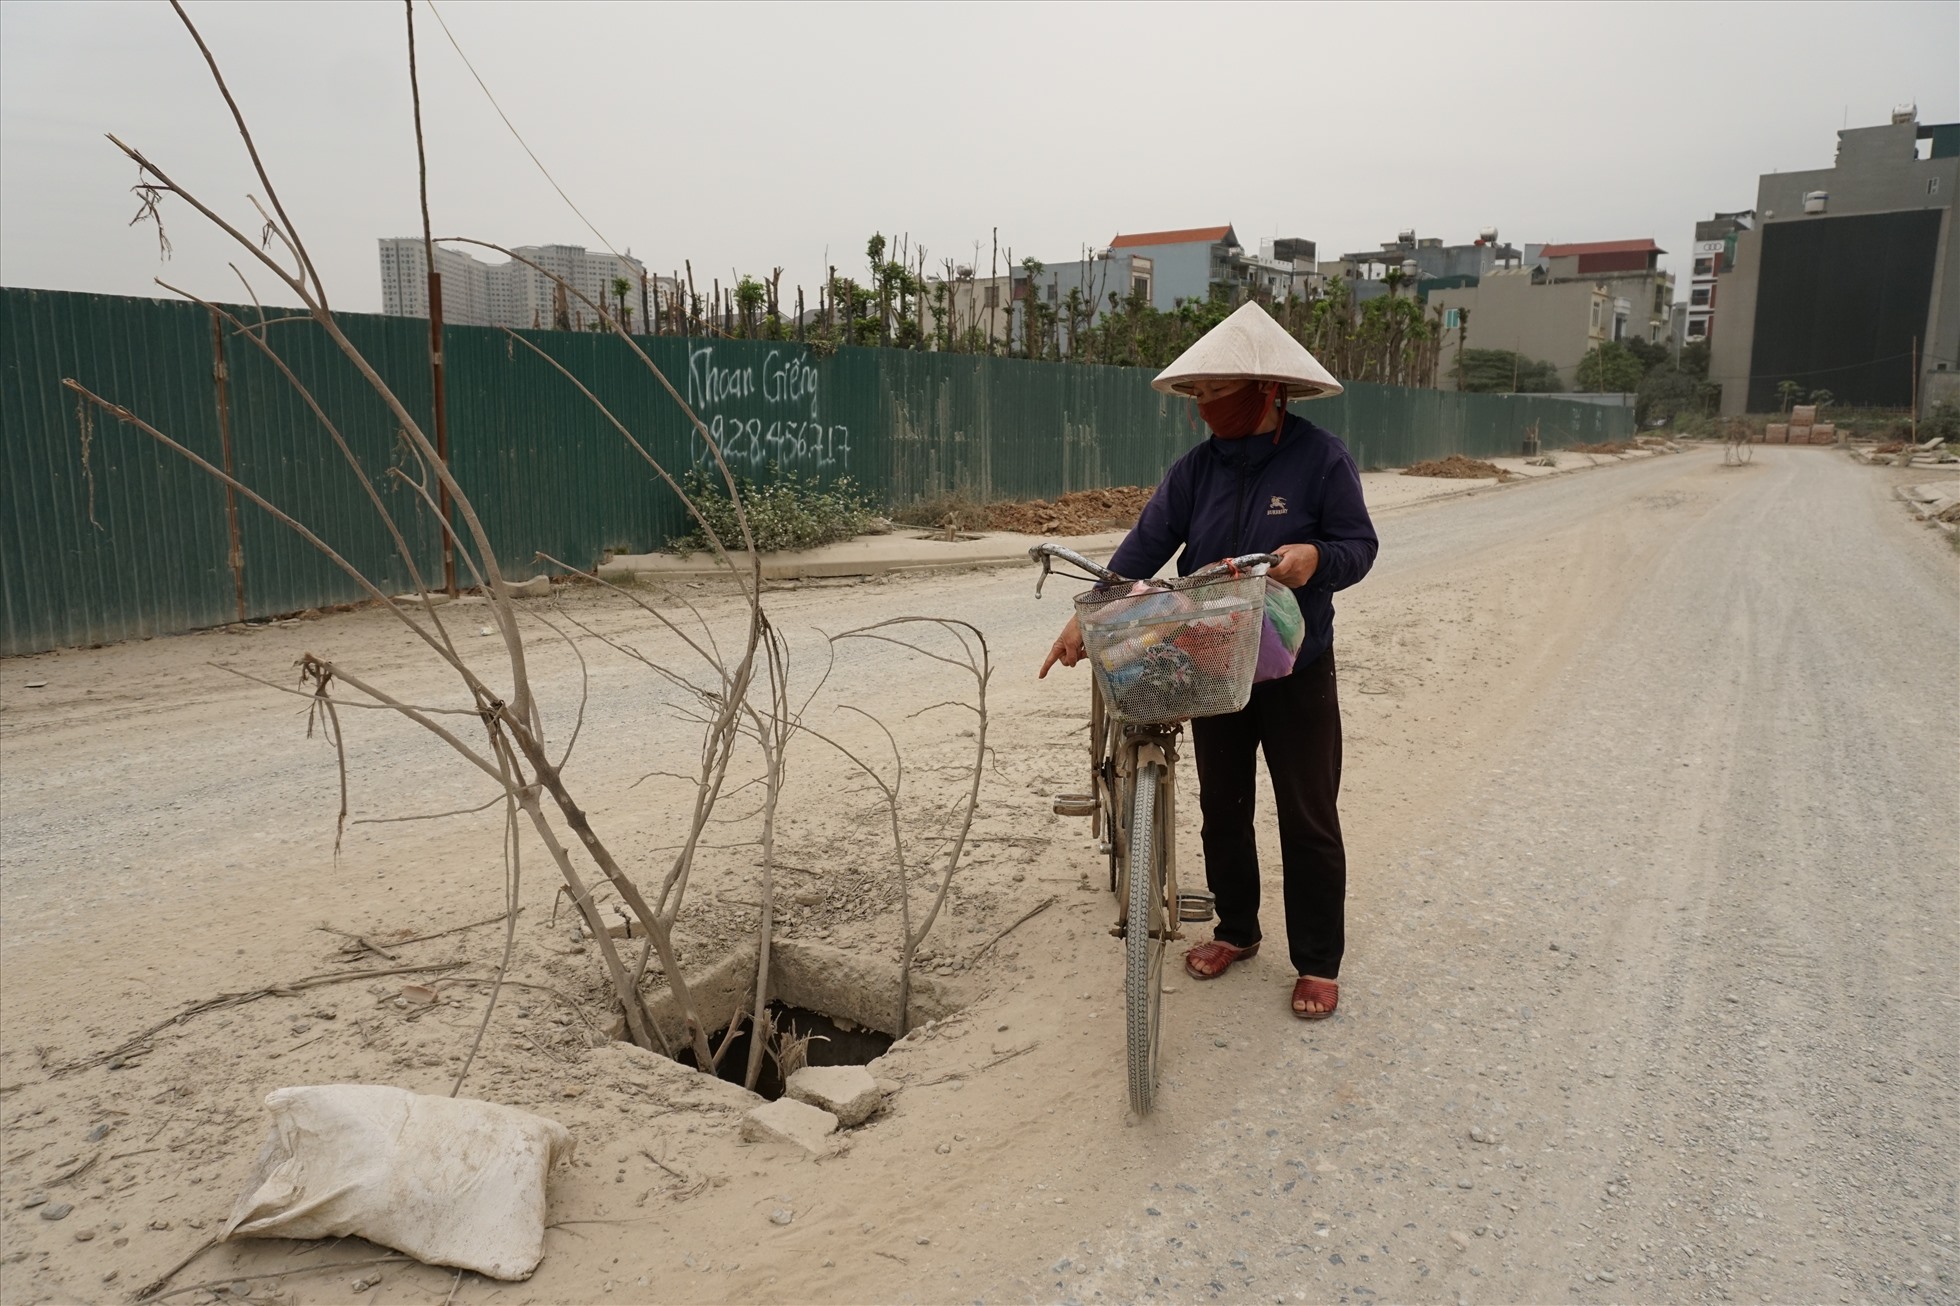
x: 1043, y: 578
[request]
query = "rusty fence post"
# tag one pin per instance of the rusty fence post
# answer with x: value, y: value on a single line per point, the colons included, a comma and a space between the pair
x: 221, y: 382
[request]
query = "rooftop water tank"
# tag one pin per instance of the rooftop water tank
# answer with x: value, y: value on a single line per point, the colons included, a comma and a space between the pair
x: 1815, y: 201
x: 1488, y: 235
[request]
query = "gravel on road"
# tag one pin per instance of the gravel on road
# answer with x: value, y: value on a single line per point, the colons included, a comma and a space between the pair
x: 1649, y: 995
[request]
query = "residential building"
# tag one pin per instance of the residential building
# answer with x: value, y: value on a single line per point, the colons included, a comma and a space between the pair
x: 1284, y: 267
x: 512, y: 293
x: 405, y: 283
x: 1102, y: 277
x: 1850, y: 277
x: 1426, y: 263
x: 1559, y: 302
x: 1714, y: 255
x: 1186, y: 264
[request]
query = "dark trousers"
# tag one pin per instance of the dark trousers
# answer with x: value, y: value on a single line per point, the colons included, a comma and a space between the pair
x: 1297, y: 721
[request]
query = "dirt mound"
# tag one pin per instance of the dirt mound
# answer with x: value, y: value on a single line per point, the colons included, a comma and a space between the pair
x: 1609, y: 447
x: 1457, y: 467
x: 1084, y: 512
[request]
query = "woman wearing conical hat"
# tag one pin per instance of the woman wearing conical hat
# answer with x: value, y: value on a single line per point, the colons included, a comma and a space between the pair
x: 1266, y: 481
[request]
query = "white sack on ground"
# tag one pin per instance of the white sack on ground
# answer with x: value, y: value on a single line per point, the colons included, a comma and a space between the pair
x: 450, y: 1181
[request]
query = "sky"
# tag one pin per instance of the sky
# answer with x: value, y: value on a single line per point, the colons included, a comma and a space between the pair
x: 746, y: 137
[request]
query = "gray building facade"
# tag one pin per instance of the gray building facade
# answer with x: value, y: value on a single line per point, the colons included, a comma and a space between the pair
x: 1850, y: 281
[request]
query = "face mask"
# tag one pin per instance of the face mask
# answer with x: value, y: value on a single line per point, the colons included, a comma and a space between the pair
x: 1234, y: 416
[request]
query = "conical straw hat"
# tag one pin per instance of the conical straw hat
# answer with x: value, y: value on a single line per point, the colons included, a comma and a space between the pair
x: 1249, y: 344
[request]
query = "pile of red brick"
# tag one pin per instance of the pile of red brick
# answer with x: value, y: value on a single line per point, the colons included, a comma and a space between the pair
x: 1802, y: 428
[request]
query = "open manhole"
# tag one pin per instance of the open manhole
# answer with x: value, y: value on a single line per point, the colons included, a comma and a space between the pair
x: 798, y: 1037
x: 844, y: 1003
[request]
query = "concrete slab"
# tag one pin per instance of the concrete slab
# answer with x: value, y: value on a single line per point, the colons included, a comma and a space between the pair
x: 847, y: 1092
x: 788, y: 1121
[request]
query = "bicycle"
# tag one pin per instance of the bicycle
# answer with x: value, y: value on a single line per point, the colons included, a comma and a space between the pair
x: 1135, y: 726
x: 1737, y: 449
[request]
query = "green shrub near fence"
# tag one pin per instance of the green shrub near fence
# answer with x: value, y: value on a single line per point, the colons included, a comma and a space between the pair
x: 133, y: 541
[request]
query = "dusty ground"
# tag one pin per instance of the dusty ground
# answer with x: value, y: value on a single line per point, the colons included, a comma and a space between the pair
x: 1651, y: 812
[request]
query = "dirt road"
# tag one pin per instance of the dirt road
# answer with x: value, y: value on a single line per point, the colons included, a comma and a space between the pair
x: 1650, y: 991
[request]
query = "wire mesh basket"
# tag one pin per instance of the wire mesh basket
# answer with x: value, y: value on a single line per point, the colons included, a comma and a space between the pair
x: 1163, y: 654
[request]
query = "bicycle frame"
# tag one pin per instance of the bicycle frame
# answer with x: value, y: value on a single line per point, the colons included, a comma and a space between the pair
x: 1138, y: 827
x: 1118, y: 750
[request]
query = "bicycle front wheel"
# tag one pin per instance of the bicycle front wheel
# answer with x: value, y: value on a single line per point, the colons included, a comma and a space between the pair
x: 1146, y: 936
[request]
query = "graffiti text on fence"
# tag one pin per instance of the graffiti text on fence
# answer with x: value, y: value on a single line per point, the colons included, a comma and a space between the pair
x: 789, y: 431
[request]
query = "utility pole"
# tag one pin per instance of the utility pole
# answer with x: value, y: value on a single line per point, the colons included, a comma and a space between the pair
x: 1915, y: 389
x: 993, y: 281
x: 435, y: 321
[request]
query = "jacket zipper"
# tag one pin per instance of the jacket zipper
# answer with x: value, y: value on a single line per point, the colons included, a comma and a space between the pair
x: 1238, y: 513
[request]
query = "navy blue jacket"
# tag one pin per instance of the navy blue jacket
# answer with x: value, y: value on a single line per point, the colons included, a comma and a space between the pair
x: 1226, y: 498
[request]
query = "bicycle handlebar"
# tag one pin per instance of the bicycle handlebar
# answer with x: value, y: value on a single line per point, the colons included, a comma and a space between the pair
x: 1046, y: 554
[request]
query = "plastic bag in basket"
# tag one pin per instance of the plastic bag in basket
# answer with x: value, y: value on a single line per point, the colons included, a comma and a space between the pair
x: 1211, y: 641
x: 1284, y: 631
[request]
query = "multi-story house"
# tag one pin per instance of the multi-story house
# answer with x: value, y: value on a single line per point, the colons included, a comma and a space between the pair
x: 1185, y: 264
x: 1850, y: 280
x: 1714, y: 255
x: 1560, y: 303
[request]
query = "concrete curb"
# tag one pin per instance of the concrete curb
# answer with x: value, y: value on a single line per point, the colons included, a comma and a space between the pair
x: 869, y: 555
x: 911, y: 549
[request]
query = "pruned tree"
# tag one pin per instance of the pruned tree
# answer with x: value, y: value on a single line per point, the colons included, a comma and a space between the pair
x: 497, y: 724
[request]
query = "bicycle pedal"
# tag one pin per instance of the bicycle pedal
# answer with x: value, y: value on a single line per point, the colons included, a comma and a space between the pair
x: 1075, y: 804
x: 1195, y: 906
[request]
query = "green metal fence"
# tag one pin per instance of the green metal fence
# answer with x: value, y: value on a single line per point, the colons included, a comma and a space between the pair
x: 110, y: 536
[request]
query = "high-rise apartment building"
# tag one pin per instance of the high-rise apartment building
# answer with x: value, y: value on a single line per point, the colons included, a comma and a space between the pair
x: 512, y: 294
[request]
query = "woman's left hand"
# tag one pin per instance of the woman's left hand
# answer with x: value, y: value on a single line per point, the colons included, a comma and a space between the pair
x: 1297, y: 564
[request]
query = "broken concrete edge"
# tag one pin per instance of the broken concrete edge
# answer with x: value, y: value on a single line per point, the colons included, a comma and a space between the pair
x: 836, y: 981
x: 678, y: 1084
x: 795, y: 1123
x: 847, y: 1092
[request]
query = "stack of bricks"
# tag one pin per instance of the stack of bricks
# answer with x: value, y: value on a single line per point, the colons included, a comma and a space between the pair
x: 1802, y: 428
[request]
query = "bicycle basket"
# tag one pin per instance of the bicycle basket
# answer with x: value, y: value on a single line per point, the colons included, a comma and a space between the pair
x: 1163, y: 654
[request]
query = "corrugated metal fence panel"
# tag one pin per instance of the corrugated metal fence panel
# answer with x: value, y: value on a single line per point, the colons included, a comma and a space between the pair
x: 545, y: 470
x: 1011, y: 429
x: 284, y: 452
x: 549, y: 473
x: 135, y: 543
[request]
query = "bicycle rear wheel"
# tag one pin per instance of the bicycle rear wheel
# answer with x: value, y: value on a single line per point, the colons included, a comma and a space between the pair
x: 1146, y: 937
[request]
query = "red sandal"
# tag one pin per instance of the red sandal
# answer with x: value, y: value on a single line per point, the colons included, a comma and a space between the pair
x: 1210, y: 960
x: 1326, y: 993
